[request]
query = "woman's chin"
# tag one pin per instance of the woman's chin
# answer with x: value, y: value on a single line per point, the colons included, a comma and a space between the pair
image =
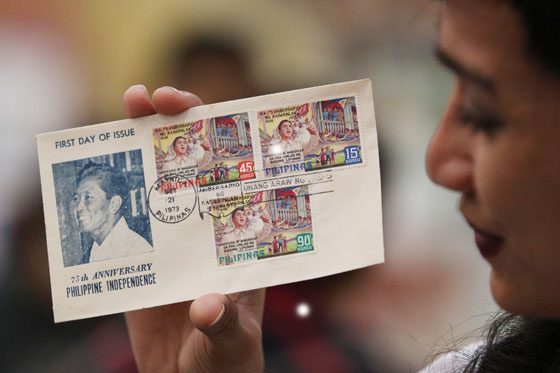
x: 520, y: 299
x: 504, y: 294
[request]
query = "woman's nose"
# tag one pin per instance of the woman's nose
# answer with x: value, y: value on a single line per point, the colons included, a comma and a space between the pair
x: 449, y: 161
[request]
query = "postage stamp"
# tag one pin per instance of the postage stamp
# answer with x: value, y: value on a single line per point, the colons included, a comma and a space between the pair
x: 262, y: 225
x: 315, y: 135
x: 210, y: 151
x: 102, y: 207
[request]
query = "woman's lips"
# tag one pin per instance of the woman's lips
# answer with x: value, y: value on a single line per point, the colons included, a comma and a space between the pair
x: 489, y: 244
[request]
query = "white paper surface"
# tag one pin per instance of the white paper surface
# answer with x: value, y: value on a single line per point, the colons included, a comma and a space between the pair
x: 239, y: 201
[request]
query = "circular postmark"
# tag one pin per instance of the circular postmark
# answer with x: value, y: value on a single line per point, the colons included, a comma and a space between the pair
x: 172, y: 198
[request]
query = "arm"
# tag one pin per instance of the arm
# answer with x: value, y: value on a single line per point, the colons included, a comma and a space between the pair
x: 205, y: 146
x: 213, y: 333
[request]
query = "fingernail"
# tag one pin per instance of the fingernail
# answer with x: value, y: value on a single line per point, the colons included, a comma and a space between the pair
x: 182, y: 93
x: 141, y: 86
x: 220, y: 315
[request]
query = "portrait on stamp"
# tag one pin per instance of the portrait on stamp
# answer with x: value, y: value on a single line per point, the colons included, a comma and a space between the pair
x: 262, y: 225
x: 311, y: 136
x: 182, y: 149
x: 102, y: 208
x: 212, y: 151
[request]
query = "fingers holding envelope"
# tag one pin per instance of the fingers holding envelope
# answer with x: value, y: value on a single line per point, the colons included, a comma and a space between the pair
x: 231, y: 326
x: 165, y: 100
x: 218, y: 334
x: 213, y: 333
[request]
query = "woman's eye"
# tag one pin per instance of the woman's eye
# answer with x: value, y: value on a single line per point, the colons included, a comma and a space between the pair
x: 479, y: 121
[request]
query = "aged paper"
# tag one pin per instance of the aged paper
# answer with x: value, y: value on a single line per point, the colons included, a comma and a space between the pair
x: 221, y: 198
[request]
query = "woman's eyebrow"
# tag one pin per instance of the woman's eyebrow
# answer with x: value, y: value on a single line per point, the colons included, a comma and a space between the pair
x: 464, y: 72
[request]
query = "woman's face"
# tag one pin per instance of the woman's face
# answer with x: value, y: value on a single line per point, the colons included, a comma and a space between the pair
x: 239, y: 219
x: 498, y: 144
x: 286, y: 130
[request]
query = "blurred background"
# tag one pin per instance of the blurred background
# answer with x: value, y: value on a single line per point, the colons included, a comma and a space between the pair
x: 67, y: 63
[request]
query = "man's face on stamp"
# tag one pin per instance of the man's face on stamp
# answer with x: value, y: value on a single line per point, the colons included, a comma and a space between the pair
x: 239, y: 219
x: 92, y: 208
x: 286, y: 130
x: 180, y: 146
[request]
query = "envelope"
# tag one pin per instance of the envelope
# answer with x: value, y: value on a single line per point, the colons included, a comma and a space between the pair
x: 222, y: 198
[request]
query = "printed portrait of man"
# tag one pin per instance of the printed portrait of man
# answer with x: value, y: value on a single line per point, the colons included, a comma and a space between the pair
x: 182, y: 157
x: 99, y: 206
x: 188, y: 152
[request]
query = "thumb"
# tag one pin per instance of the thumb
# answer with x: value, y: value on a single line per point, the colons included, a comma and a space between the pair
x: 232, y: 328
x: 217, y: 315
x: 214, y: 315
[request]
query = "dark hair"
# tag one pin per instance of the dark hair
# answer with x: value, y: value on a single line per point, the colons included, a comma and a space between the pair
x: 284, y: 121
x: 177, y: 138
x: 111, y: 181
x: 515, y: 343
x: 240, y: 208
x: 541, y: 19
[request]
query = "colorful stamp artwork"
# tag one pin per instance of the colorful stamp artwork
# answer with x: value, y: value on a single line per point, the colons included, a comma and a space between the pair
x: 210, y: 151
x: 311, y: 136
x: 262, y: 225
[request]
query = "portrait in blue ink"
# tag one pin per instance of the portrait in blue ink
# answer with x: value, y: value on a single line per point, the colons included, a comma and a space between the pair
x: 102, y: 208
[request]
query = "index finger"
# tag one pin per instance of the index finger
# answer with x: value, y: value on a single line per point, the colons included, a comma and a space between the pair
x: 169, y: 101
x: 137, y: 102
x: 165, y: 100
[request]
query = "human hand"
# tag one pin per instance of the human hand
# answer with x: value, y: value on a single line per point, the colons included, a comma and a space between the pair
x: 215, y: 333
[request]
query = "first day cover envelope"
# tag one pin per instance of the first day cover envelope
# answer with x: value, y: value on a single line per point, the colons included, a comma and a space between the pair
x: 220, y: 198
